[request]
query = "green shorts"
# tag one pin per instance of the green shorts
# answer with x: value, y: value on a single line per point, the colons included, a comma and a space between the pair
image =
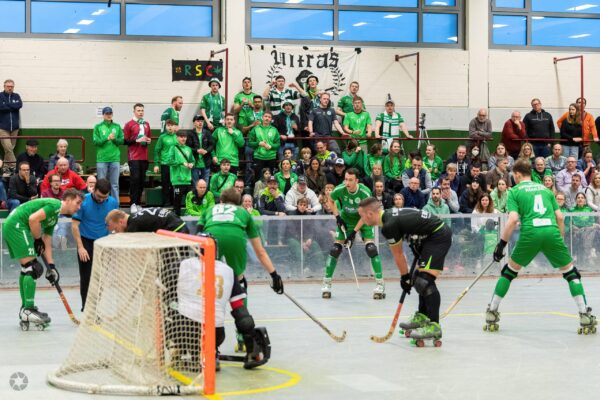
x: 19, y: 241
x: 545, y: 240
x: 231, y: 245
x: 366, y: 232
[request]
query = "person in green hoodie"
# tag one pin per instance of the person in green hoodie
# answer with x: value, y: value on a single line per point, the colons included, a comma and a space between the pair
x: 181, y: 162
x: 353, y: 156
x: 436, y: 205
x: 107, y: 137
x: 393, y: 166
x: 265, y: 141
x: 212, y: 106
x: 162, y: 152
x: 375, y: 156
x: 199, y: 200
x: 222, y: 180
x: 285, y: 177
x: 227, y: 142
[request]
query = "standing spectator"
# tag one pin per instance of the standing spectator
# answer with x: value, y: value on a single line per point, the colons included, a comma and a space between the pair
x: 299, y: 191
x: 181, y: 162
x: 199, y: 200
x: 563, y: 178
x: 589, y: 131
x: 90, y: 183
x: 36, y: 162
x: 345, y: 104
x: 384, y: 197
x: 54, y: 191
x: 321, y: 122
x: 246, y: 123
x: 309, y: 102
x: 460, y: 160
x: 22, y: 187
x: 393, y: 167
x: 357, y: 124
x: 107, y: 137
x: 432, y: 162
x: 539, y: 170
x: 500, y: 153
x: 276, y: 94
x: 500, y: 172
x: 171, y: 113
x: 68, y: 178
x: 61, y: 151
x: 10, y: 106
x: 587, y: 164
x: 87, y: 225
x: 264, y: 139
x: 222, y: 180
x: 285, y: 177
x: 449, y: 196
x: 388, y: 125
x: 592, y: 192
x: 136, y: 135
x: 212, y: 106
x: 287, y: 124
x: 480, y: 131
x: 202, y: 145
x: 436, y: 205
x: 162, y: 151
x: 314, y: 176
x: 242, y: 102
x: 500, y: 196
x: 514, y: 133
x: 413, y: 197
x: 556, y: 161
x: 417, y: 171
x: 571, y: 131
x: 337, y: 175
x: 572, y: 190
x: 227, y: 142
x: 539, y: 125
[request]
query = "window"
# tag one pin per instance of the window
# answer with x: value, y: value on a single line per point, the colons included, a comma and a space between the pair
x: 195, y: 20
x: 546, y: 23
x: 356, y: 22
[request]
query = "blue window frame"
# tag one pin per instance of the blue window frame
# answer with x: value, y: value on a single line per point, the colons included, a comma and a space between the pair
x: 75, y: 18
x: 510, y: 30
x: 510, y: 3
x: 282, y: 23
x: 380, y: 3
x: 370, y: 26
x: 440, y: 28
x: 12, y: 16
x: 168, y: 20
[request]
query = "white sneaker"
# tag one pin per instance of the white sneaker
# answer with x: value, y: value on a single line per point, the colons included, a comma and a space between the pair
x: 134, y: 209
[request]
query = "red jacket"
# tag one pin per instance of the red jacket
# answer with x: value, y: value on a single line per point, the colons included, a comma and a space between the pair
x: 69, y: 180
x: 509, y: 133
x: 135, y: 151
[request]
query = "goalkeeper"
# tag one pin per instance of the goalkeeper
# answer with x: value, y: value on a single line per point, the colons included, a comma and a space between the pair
x: 145, y: 220
x: 28, y: 234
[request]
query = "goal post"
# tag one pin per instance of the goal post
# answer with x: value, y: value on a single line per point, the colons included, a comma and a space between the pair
x: 132, y: 339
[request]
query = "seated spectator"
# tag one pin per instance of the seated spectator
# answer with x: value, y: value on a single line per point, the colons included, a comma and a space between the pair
x: 324, y: 199
x: 222, y: 180
x: 61, y: 151
x: 299, y: 191
x: 261, y: 184
x: 585, y: 229
x: 449, y: 196
x: 248, y: 204
x: 302, y: 208
x: 572, y: 190
x: 475, y: 157
x: 289, y: 155
x: 393, y: 166
x: 581, y: 206
x: 376, y: 176
x: 587, y: 164
x: 417, y: 171
x: 336, y: 176
x: 271, y: 201
x: 413, y: 197
x: 398, y: 201
x: 549, y: 183
x: 287, y: 124
x: 561, y: 199
x: 239, y: 187
x: 571, y: 131
x: 500, y: 196
x: 592, y: 193
x: 90, y: 184
x: 324, y: 156
x: 315, y: 177
x: 22, y: 187
x: 3, y: 196
x: 436, y: 205
x: 460, y: 160
x: 500, y: 153
x: 563, y: 178
x: 468, y: 198
x: 452, y: 175
x: 375, y: 156
x: 556, y: 161
x: 304, y: 160
x: 465, y: 180
x: 527, y: 153
x: 199, y: 199
x: 500, y: 172
x: 384, y: 197
x: 513, y: 134
x: 409, y: 160
x: 485, y: 205
x: 54, y: 191
x: 285, y: 177
x: 480, y: 131
x: 36, y: 162
x: 539, y: 170
x: 433, y: 163
x: 353, y: 156
x: 68, y: 178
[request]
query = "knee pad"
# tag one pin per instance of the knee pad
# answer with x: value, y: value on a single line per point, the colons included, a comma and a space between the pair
x: 33, y: 268
x: 425, y: 284
x: 508, y: 273
x: 335, y: 250
x: 243, y: 320
x: 371, y: 250
x: 572, y: 274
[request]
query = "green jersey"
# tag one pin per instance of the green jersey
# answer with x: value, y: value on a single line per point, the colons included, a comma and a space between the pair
x: 347, y: 203
x: 169, y: 113
x: 246, y: 114
x: 267, y: 134
x: 162, y: 149
x: 435, y: 167
x: 345, y: 103
x: 358, y: 122
x: 220, y: 182
x: 390, y: 124
x: 19, y: 217
x: 227, y: 144
x: 214, y: 107
x: 108, y: 150
x: 230, y: 217
x: 534, y: 203
x: 180, y: 174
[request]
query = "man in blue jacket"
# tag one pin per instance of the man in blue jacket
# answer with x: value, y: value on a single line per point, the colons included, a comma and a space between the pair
x: 10, y: 104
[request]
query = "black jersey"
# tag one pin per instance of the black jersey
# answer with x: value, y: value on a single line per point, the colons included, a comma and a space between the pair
x: 409, y: 224
x: 155, y: 218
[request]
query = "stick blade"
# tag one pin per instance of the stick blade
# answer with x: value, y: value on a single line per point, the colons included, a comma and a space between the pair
x: 338, y: 339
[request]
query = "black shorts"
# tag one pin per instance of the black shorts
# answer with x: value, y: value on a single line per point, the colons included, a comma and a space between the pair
x: 434, y: 249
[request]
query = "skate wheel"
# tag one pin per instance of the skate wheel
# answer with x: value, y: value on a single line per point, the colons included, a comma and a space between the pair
x: 586, y: 331
x: 485, y: 328
x: 594, y: 330
x: 326, y: 295
x: 437, y: 343
x: 420, y: 343
x: 240, y: 348
x: 24, y: 326
x: 579, y: 331
x: 41, y: 327
x: 407, y: 333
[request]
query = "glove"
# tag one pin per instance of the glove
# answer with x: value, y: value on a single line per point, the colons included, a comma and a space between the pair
x: 350, y: 239
x: 52, y: 274
x: 499, y: 251
x: 405, y: 283
x: 277, y: 284
x: 39, y: 246
x: 340, y: 223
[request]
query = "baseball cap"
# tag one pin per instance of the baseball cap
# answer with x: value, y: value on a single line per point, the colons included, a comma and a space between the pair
x: 32, y: 142
x: 107, y: 110
x: 198, y: 117
x: 301, y: 180
x: 271, y: 179
x: 476, y: 179
x: 390, y: 101
x: 287, y: 102
x: 340, y: 161
x: 214, y: 80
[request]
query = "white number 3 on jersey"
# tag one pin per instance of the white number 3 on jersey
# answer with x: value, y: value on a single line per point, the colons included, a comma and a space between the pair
x: 538, y: 204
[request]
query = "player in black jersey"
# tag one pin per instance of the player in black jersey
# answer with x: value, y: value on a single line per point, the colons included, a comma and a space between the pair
x: 145, y: 220
x: 431, y: 239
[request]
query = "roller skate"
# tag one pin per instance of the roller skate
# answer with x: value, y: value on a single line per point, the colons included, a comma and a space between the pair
x: 588, y: 322
x: 417, y: 321
x: 431, y: 331
x: 326, y: 288
x: 491, y: 320
x: 379, y: 291
x: 30, y: 316
x: 240, y: 346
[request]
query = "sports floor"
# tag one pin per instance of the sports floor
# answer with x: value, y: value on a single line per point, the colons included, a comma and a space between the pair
x: 537, y: 353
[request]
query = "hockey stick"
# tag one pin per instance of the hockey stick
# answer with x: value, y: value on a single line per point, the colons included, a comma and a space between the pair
x: 464, y: 292
x: 348, y: 247
x: 331, y: 335
x: 381, y: 339
x: 62, y: 296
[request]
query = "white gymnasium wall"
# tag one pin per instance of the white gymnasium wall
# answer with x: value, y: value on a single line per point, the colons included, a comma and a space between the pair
x: 64, y: 82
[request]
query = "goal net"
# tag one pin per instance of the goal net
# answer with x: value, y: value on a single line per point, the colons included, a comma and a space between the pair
x: 132, y: 340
